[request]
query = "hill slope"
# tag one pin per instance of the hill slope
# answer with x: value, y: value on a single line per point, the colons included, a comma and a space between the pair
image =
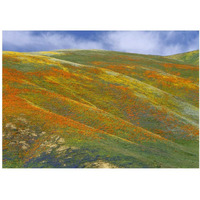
x: 94, y: 108
x: 191, y: 57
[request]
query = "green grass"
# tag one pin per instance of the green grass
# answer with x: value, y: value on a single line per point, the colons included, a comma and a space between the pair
x: 80, y: 108
x: 188, y: 58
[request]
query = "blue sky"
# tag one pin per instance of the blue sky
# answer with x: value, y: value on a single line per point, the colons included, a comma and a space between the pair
x: 144, y: 42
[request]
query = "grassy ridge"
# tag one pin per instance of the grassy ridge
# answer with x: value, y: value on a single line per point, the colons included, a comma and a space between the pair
x: 191, y: 57
x: 93, y: 108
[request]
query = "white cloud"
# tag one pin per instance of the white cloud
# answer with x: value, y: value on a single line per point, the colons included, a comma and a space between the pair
x: 144, y: 42
x: 135, y: 42
x: 46, y: 41
x: 194, y: 44
x: 148, y: 42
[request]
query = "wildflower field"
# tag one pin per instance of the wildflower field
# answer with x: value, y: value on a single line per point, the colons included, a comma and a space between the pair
x: 96, y: 109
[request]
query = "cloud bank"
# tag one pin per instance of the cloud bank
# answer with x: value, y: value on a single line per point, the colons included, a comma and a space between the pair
x: 144, y: 42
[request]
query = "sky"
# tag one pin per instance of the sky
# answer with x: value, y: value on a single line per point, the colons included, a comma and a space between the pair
x: 144, y: 42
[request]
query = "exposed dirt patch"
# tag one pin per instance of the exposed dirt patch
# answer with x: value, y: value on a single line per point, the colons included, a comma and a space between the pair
x: 100, y: 164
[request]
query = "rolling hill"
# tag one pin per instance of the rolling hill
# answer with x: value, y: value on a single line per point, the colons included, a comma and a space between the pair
x: 191, y: 57
x: 96, y: 109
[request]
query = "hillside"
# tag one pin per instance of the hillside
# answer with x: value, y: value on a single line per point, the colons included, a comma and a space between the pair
x: 191, y: 57
x: 95, y: 108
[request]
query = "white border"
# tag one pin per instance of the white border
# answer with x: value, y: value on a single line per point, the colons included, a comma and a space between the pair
x: 99, y: 184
